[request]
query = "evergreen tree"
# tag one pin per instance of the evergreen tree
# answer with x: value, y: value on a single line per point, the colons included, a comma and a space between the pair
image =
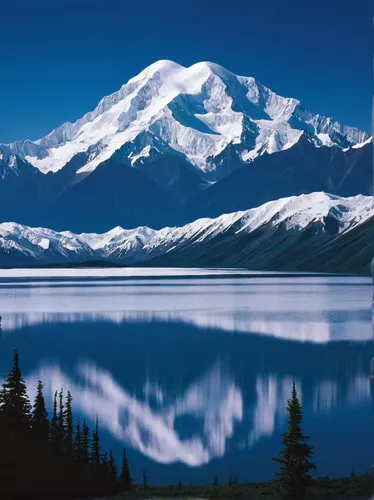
x: 40, y: 422
x: 53, y: 426
x: 112, y: 466
x: 15, y: 403
x: 105, y: 463
x: 230, y: 481
x: 78, y: 442
x: 86, y: 443
x: 68, y: 424
x: 125, y: 476
x: 293, y: 475
x: 144, y: 478
x: 215, y: 481
x: 95, y: 446
x: 60, y: 422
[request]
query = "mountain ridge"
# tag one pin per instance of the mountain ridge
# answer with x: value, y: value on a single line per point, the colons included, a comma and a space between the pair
x: 175, y: 144
x: 216, y: 102
x: 265, y: 237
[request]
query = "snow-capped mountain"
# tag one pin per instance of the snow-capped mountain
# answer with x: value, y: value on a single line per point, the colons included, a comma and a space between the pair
x: 195, y: 113
x: 24, y: 245
x: 176, y: 144
x: 284, y: 230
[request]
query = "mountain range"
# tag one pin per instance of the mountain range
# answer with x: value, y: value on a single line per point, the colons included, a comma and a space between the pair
x: 170, y: 152
x: 297, y: 233
x: 175, y: 144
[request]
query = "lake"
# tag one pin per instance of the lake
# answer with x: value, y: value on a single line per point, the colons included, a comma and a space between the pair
x: 190, y: 370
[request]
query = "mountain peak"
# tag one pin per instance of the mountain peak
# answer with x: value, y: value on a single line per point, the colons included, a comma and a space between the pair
x: 164, y: 66
x: 195, y: 114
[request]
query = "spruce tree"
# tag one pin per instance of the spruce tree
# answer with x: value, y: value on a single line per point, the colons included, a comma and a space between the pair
x: 112, y: 466
x: 86, y: 443
x: 105, y: 463
x: 60, y: 422
x: 15, y: 403
x: 293, y: 475
x: 40, y: 422
x: 125, y: 476
x: 95, y: 446
x: 145, y: 482
x: 78, y: 442
x: 68, y: 424
x: 53, y: 426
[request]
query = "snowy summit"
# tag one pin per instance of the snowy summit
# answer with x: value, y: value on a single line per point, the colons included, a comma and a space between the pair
x: 196, y: 113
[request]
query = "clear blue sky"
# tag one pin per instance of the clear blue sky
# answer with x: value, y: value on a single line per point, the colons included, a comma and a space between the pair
x: 59, y: 58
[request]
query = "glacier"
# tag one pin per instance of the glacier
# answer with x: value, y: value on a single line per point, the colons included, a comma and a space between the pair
x: 280, y: 228
x: 196, y: 113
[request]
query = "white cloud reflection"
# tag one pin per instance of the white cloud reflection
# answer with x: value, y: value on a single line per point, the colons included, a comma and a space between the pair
x: 288, y: 326
x: 214, y: 403
x: 214, y: 400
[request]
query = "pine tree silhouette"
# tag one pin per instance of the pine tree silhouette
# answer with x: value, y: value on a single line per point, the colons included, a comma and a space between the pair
x: 54, y: 424
x: 125, y: 477
x: 105, y: 463
x: 112, y: 466
x: 78, y: 442
x: 40, y: 422
x: 86, y: 443
x: 294, y: 458
x: 31, y: 465
x: 144, y: 478
x: 60, y: 422
x: 68, y: 431
x: 14, y: 401
x: 95, y: 446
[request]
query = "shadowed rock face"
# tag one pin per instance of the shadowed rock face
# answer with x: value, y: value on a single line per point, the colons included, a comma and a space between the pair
x: 150, y: 154
x: 315, y: 232
x: 300, y: 169
x: 162, y: 191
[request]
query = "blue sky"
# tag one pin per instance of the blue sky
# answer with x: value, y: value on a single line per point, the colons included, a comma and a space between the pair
x: 58, y: 59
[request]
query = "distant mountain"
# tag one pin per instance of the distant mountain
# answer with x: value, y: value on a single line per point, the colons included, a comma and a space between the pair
x: 305, y: 232
x: 158, y: 151
x: 300, y: 169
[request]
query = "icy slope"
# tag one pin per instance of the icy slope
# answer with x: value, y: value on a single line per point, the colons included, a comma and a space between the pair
x: 276, y: 228
x: 194, y: 113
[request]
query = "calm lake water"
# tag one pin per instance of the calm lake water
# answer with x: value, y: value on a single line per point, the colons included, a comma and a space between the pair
x: 191, y: 370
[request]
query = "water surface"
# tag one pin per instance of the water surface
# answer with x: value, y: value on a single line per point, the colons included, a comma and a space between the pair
x: 191, y: 370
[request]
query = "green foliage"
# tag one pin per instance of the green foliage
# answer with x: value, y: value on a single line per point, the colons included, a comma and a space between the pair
x: 293, y: 475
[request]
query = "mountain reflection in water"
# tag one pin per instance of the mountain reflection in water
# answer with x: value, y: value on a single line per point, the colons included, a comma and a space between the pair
x: 193, y: 376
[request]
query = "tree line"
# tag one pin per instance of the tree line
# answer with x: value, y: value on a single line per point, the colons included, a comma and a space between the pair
x: 51, y: 458
x: 57, y: 458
